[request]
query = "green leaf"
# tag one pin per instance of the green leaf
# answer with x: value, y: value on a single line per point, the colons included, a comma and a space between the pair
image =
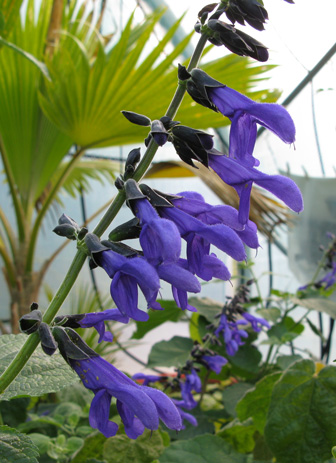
x: 321, y: 305
x: 240, y: 435
x: 246, y: 361
x: 144, y: 449
x: 301, y: 422
x: 202, y: 449
x: 73, y: 444
x: 41, y: 66
x: 286, y: 330
x: 42, y: 374
x: 204, y: 426
x: 17, y: 447
x: 14, y: 411
x: 207, y: 307
x: 232, y: 395
x: 256, y: 402
x: 10, y: 13
x: 170, y: 353
x: 284, y: 361
x: 271, y: 314
x: 193, y: 327
x: 41, y: 441
x: 170, y: 313
x: 92, y: 448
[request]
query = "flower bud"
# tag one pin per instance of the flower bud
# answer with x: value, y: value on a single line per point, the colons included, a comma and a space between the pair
x: 136, y: 118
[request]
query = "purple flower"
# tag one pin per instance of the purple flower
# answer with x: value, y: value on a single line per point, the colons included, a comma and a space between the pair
x: 192, y: 383
x: 127, y: 274
x: 245, y: 114
x: 182, y: 282
x: 194, y: 204
x: 184, y: 415
x: 241, y: 177
x: 93, y: 319
x: 219, y: 235
x: 159, y: 238
x: 139, y: 407
x: 215, y: 362
x: 231, y: 333
x: 256, y: 322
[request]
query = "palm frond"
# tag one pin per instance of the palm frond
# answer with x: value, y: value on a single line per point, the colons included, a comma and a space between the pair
x: 86, y: 93
x: 80, y: 177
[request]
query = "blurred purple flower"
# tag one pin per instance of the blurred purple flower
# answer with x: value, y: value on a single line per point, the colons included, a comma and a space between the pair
x: 184, y: 415
x: 256, y: 322
x: 231, y: 333
x: 192, y: 383
x: 215, y: 362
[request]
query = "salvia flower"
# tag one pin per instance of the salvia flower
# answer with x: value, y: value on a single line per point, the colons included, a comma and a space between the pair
x: 139, y: 407
x: 127, y: 273
x: 180, y: 404
x: 256, y: 322
x: 221, y: 236
x: 194, y: 204
x: 232, y: 334
x: 214, y: 362
x: 94, y: 319
x: 192, y: 383
x: 241, y: 177
x: 159, y: 238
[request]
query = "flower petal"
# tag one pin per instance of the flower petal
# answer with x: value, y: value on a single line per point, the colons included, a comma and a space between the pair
x: 99, y: 414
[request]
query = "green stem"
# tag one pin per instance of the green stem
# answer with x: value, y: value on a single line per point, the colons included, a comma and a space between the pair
x: 32, y: 342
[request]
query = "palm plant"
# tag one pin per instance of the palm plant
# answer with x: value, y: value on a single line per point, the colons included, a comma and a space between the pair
x: 64, y: 85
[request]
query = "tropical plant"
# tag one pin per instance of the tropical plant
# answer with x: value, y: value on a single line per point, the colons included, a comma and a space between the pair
x: 63, y: 84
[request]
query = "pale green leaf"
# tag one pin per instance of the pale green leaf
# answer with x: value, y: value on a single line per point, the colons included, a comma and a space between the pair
x: 42, y: 374
x: 16, y: 447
